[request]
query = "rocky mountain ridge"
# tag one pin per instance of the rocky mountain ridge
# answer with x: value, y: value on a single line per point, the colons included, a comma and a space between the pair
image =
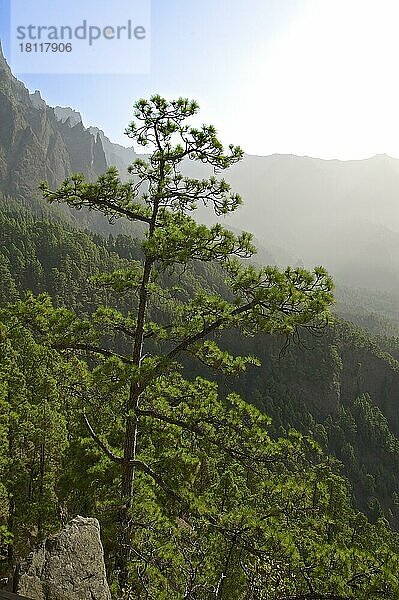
x: 36, y: 145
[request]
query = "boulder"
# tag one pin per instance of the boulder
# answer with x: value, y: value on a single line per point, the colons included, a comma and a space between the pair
x: 67, y: 566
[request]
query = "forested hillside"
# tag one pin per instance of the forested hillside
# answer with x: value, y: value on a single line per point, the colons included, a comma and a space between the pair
x: 48, y: 463
x: 342, y: 387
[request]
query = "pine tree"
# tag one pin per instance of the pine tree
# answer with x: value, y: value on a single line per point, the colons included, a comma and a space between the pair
x: 165, y: 325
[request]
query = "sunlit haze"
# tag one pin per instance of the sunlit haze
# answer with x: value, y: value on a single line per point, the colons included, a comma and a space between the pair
x: 308, y: 77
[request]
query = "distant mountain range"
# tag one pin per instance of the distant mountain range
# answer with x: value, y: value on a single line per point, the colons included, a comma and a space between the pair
x: 342, y: 214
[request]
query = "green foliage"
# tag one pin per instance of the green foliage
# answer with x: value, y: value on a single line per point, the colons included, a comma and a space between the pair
x: 258, y: 517
x: 34, y: 385
x: 234, y: 508
x: 361, y: 437
x: 47, y: 256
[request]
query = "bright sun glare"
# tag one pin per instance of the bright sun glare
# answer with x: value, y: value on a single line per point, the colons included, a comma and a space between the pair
x: 330, y: 82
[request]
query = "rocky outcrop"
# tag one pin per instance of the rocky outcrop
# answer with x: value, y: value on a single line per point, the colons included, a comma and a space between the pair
x: 66, y: 114
x: 36, y: 145
x: 117, y: 156
x: 67, y: 566
x: 37, y: 100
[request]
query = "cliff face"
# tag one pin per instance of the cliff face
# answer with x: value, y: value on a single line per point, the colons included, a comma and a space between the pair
x: 116, y: 155
x: 35, y: 145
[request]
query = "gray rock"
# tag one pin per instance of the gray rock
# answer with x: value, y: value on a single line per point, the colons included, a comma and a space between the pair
x: 67, y: 566
x: 37, y: 100
x: 66, y: 114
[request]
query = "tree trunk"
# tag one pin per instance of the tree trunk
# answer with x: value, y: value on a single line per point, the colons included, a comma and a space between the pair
x: 132, y: 425
x: 125, y: 523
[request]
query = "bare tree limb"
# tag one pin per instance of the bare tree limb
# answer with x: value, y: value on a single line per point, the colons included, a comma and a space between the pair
x: 99, y: 442
x: 94, y: 349
x: 139, y: 464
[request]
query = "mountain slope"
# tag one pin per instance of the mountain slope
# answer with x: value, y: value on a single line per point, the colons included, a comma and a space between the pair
x: 341, y: 387
x: 35, y: 145
x: 342, y: 214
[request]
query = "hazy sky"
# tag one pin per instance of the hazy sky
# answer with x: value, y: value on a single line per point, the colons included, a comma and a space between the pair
x: 314, y: 77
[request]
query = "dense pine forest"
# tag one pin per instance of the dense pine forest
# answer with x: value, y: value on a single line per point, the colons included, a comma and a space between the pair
x: 50, y: 466
x: 311, y: 386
